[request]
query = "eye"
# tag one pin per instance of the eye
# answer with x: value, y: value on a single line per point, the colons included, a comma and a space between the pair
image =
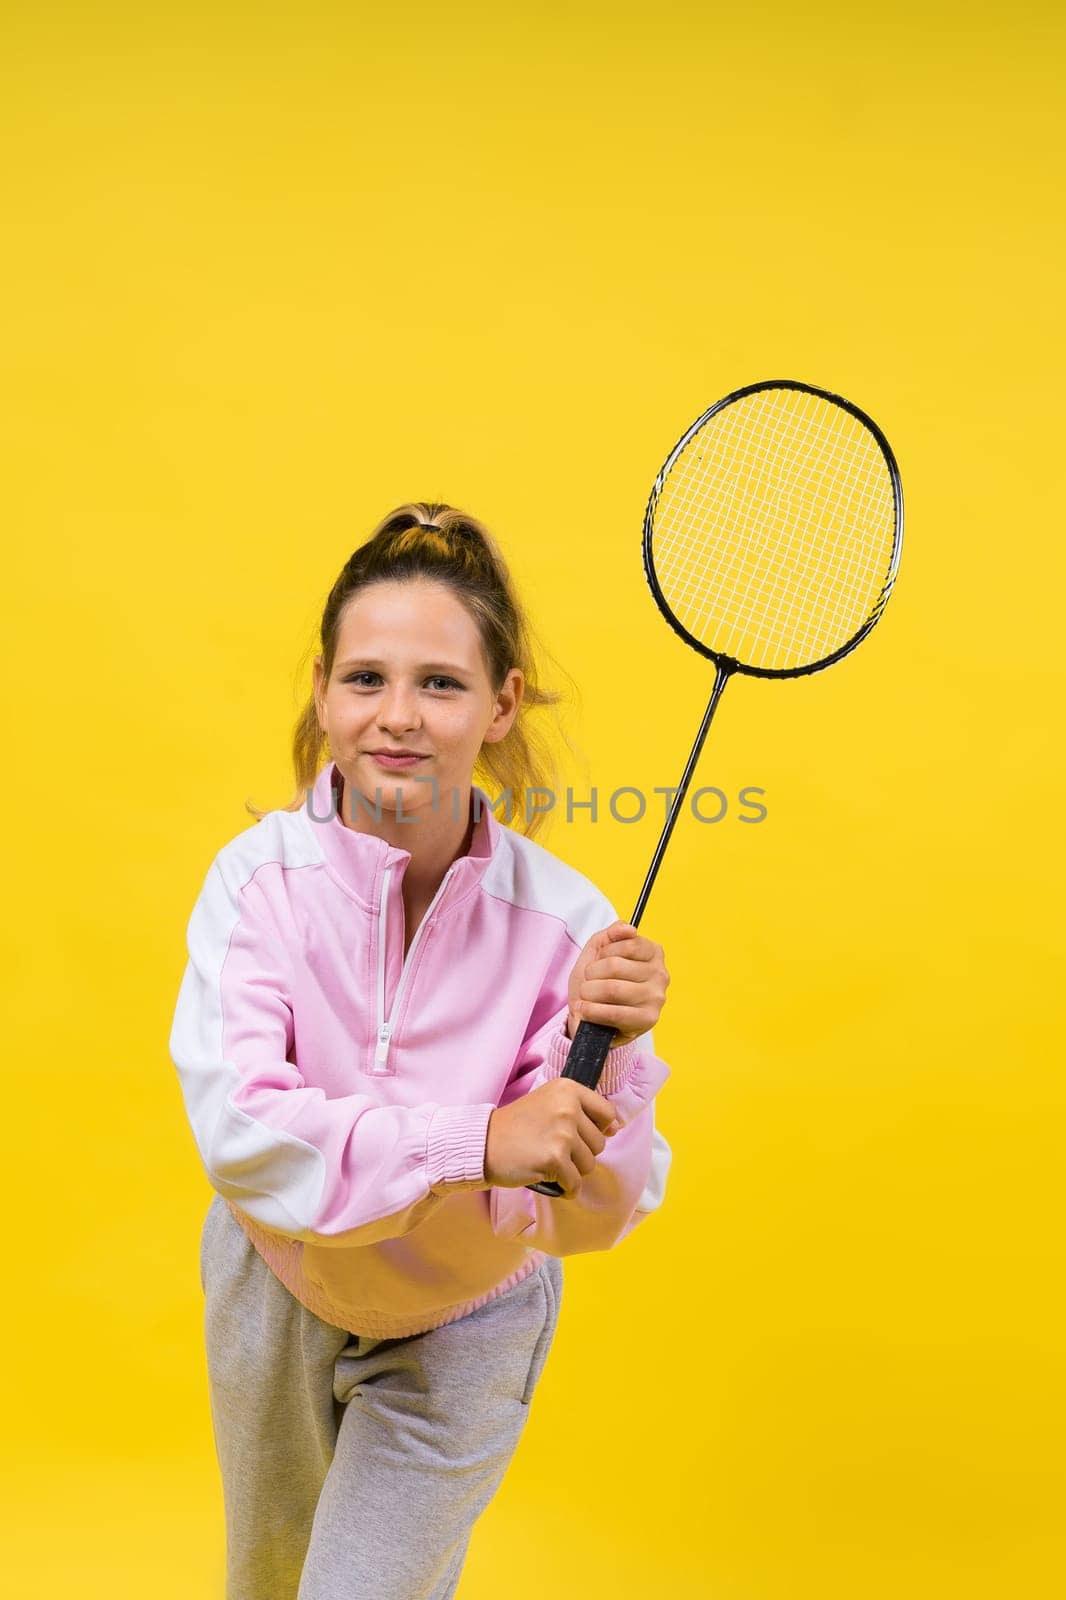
x: 356, y: 677
x: 447, y: 683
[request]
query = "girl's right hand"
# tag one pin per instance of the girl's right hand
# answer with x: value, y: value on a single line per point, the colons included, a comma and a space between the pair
x: 555, y: 1132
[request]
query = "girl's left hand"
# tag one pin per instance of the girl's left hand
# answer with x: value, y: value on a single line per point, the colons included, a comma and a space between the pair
x: 619, y: 979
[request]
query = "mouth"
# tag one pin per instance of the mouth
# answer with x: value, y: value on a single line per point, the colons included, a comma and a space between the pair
x: 393, y: 760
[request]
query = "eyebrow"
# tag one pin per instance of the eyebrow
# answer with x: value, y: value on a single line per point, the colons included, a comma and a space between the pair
x: 425, y: 666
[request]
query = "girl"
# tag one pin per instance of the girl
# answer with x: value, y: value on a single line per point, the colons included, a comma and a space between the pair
x: 382, y: 986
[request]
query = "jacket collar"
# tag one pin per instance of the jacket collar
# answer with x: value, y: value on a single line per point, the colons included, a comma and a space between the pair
x: 359, y: 859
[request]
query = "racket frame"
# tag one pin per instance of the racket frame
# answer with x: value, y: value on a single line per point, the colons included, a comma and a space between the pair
x: 730, y: 663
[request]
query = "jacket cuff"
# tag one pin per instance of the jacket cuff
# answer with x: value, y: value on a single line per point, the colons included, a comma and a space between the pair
x: 455, y: 1145
x: 616, y: 1069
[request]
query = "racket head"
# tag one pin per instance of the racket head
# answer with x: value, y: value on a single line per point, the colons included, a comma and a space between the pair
x: 819, y: 474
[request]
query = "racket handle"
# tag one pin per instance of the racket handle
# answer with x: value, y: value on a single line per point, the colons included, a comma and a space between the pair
x: 588, y: 1052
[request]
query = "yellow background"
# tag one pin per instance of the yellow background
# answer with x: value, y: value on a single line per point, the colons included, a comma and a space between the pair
x: 270, y: 270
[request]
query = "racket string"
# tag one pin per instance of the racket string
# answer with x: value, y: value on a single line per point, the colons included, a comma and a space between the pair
x: 755, y: 605
x: 744, y: 606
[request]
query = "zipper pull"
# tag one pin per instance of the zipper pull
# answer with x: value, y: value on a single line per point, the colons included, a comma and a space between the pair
x: 381, y: 1054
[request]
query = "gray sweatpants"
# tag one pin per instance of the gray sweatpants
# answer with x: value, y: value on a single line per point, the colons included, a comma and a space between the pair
x: 355, y: 1468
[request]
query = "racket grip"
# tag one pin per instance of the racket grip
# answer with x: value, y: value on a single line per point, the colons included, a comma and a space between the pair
x: 588, y: 1052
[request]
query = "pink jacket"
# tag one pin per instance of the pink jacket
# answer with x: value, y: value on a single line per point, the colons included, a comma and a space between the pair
x: 339, y: 1094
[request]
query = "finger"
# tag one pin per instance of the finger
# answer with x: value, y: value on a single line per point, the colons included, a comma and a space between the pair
x: 632, y: 1020
x: 617, y: 991
x: 591, y: 1135
x: 614, y: 966
x: 568, y: 1177
x: 596, y: 1106
x: 560, y: 1167
x: 635, y: 946
x: 583, y: 1158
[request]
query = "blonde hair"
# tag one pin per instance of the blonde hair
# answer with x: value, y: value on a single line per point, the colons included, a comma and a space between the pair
x: 438, y: 542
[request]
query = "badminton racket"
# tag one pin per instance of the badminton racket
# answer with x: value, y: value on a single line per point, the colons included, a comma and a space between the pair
x: 771, y: 544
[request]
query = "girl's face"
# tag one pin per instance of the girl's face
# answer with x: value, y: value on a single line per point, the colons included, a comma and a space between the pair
x: 409, y: 676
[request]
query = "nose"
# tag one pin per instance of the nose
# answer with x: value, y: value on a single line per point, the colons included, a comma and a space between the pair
x: 398, y: 710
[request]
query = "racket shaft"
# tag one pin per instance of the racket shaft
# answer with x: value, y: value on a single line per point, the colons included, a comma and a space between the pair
x: 722, y: 674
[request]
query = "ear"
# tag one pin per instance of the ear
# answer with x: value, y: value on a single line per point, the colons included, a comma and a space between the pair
x: 505, y: 707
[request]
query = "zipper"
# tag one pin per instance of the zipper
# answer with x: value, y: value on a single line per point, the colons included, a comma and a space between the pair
x: 384, y: 1029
